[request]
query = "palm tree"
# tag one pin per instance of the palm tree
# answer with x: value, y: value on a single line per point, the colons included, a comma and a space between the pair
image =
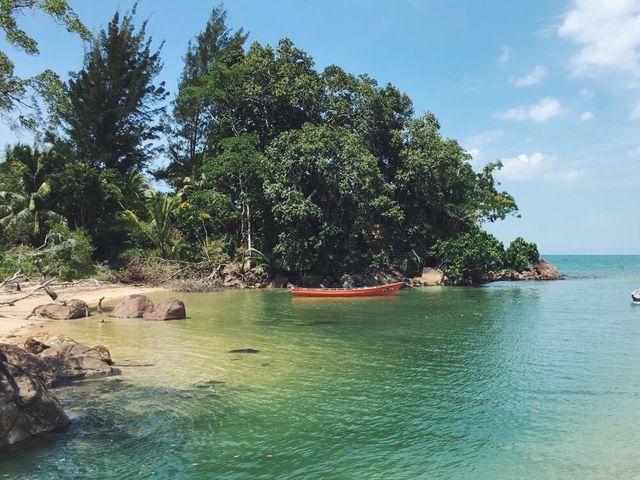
x: 25, y: 201
x: 159, y: 228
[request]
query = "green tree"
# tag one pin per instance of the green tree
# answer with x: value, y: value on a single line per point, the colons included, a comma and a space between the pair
x: 239, y: 172
x: 14, y: 90
x: 327, y: 194
x: 469, y: 257
x: 193, y: 134
x: 113, y: 116
x: 521, y: 254
x: 25, y: 203
x: 159, y: 227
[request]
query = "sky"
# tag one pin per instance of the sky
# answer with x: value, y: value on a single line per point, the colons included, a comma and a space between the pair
x: 549, y: 87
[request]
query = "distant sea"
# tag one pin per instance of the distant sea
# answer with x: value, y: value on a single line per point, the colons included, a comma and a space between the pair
x: 531, y: 380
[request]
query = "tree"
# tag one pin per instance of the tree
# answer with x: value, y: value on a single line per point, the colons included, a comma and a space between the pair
x: 521, y: 254
x: 112, y: 119
x: 159, y: 227
x: 239, y: 172
x: 193, y: 133
x: 14, y: 91
x: 326, y: 194
x: 469, y: 257
x: 25, y: 203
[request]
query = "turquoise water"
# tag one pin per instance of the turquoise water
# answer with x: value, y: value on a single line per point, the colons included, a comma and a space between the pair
x: 510, y: 380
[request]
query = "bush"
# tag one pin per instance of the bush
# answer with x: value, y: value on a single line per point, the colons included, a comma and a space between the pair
x: 521, y: 255
x: 66, y: 255
x: 469, y: 257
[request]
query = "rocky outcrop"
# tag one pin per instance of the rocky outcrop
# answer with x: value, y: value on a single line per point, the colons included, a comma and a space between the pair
x: 42, y: 340
x: 27, y: 408
x: 168, y: 309
x: 430, y: 277
x: 543, y: 270
x: 54, y: 311
x: 133, y: 306
x: 74, y: 361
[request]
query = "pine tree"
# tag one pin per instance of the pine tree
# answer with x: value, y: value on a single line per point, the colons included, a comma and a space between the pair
x: 113, y: 119
x: 193, y: 136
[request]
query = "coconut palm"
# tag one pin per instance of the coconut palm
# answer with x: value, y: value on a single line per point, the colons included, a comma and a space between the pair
x: 24, y: 200
x: 159, y: 226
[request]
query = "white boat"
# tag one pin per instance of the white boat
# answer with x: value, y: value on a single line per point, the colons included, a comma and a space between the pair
x: 635, y: 296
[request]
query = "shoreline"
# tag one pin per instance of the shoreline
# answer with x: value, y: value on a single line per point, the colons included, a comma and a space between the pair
x: 15, y: 328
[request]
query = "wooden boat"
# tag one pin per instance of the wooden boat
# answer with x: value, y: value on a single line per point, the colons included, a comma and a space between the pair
x: 376, y: 291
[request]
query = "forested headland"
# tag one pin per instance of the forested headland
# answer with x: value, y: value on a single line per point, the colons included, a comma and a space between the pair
x: 273, y: 165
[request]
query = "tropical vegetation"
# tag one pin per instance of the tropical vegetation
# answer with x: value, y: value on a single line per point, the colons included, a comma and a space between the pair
x: 261, y: 155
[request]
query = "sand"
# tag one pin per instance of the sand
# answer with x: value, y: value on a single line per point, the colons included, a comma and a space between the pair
x: 15, y: 329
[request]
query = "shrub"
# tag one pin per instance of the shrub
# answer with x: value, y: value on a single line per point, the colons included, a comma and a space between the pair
x: 469, y: 257
x: 521, y: 255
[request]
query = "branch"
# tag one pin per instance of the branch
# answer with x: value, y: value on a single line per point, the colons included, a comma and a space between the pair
x: 13, y: 301
x: 13, y: 279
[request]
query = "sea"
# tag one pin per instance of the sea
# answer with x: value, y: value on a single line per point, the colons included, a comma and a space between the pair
x: 510, y: 380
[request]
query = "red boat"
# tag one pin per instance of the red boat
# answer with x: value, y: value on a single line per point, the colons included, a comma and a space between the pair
x: 377, y: 291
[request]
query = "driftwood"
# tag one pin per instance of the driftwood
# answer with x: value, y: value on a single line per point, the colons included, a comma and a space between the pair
x: 31, y: 293
x: 14, y: 279
x: 100, y: 309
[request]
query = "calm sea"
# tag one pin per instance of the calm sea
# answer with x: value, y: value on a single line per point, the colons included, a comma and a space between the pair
x: 511, y: 380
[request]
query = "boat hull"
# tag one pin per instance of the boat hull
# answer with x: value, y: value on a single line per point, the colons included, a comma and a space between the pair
x: 377, y: 291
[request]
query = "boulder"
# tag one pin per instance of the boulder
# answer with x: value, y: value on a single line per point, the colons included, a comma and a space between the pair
x: 54, y: 311
x: 74, y: 361
x: 42, y: 340
x: 27, y: 361
x: 280, y: 281
x: 132, y: 306
x: 548, y: 271
x: 430, y: 277
x: 27, y: 408
x: 168, y: 309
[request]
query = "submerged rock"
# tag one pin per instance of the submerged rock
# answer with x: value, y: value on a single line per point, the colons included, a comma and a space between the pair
x: 74, y: 361
x: 244, y: 350
x: 168, y: 309
x: 42, y: 340
x: 27, y: 408
x: 54, y: 311
x: 133, y: 306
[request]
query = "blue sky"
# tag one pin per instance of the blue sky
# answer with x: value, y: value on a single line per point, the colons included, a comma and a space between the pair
x: 550, y: 87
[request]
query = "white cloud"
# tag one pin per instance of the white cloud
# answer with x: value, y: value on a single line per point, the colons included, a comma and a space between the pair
x: 635, y: 113
x: 608, y: 34
x: 536, y: 76
x: 475, y: 152
x: 522, y: 167
x: 585, y: 93
x: 505, y: 56
x: 586, y: 116
x: 564, y: 176
x: 536, y: 167
x: 539, y: 112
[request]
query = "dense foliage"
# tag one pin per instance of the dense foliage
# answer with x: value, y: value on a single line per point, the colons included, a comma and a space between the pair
x: 269, y: 159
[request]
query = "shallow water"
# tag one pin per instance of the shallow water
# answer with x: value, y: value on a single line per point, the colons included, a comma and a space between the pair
x: 511, y: 380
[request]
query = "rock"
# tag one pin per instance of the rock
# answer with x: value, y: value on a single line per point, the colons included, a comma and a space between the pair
x: 54, y: 311
x: 133, y: 306
x: 430, y: 277
x: 279, y: 281
x: 548, y: 271
x: 74, y: 361
x: 42, y: 340
x: 27, y: 408
x: 168, y: 309
x: 29, y: 362
x: 244, y: 350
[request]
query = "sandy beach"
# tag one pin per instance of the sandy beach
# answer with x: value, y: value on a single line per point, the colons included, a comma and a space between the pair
x: 15, y: 328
